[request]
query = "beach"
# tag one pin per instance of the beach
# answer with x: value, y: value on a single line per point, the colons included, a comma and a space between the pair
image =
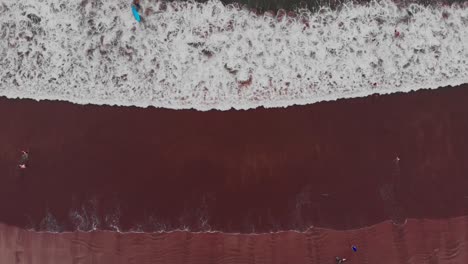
x: 219, y: 133
x: 418, y: 241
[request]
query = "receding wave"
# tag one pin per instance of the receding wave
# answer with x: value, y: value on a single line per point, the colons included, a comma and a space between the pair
x: 212, y: 56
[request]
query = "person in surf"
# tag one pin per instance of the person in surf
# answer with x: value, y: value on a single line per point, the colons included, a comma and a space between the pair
x: 136, y: 3
x: 23, y: 159
x: 340, y: 260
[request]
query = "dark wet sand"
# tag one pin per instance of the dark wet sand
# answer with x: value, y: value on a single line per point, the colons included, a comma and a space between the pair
x: 418, y: 241
x: 329, y: 164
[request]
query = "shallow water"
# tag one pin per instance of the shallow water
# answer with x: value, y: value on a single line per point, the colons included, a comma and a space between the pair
x: 342, y: 165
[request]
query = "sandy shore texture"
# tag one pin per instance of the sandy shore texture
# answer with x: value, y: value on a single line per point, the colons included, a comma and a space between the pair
x: 418, y: 241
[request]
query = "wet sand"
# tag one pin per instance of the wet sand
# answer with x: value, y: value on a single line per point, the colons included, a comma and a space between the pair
x: 331, y: 164
x: 418, y: 241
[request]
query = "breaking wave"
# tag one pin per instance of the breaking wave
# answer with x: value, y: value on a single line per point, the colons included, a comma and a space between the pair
x: 212, y: 56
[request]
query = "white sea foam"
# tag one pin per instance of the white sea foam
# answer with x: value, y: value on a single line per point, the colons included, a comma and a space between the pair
x: 202, y: 56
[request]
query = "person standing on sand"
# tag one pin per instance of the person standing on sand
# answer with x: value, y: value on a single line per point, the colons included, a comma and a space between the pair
x: 24, y: 159
x: 340, y: 260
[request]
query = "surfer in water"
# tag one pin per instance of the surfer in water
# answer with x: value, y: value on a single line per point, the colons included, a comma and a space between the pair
x: 137, y: 10
x: 136, y: 3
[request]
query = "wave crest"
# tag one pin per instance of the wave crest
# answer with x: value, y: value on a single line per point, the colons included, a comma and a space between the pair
x: 211, y: 56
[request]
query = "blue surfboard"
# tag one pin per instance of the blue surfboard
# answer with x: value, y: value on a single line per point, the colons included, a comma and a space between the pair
x: 135, y: 14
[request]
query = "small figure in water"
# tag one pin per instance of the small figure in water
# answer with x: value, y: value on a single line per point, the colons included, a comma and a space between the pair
x: 340, y: 260
x: 24, y: 159
x: 136, y: 3
x: 397, y: 33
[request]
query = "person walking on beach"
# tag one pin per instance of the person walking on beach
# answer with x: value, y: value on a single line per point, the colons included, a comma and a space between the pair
x: 24, y: 159
x: 340, y: 260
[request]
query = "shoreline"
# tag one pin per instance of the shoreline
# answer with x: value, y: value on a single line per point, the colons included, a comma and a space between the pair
x: 421, y: 241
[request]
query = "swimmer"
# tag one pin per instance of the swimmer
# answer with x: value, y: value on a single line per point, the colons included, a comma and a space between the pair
x: 24, y: 159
